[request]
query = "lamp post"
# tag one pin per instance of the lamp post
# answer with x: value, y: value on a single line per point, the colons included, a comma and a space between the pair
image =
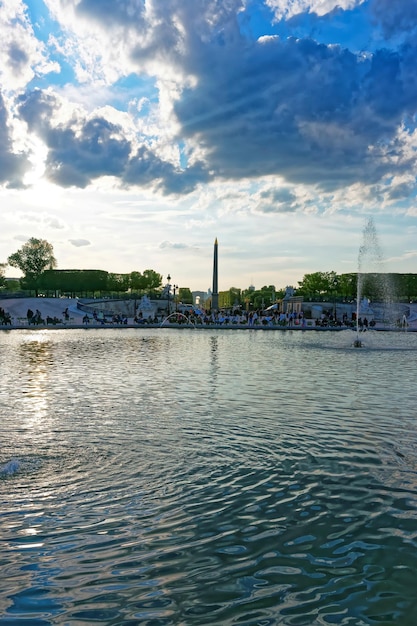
x: 168, y: 292
x: 174, y: 288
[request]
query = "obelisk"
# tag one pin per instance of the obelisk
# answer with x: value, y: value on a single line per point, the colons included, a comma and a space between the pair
x: 215, y: 290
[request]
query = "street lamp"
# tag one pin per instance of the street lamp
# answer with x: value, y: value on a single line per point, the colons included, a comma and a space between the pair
x: 168, y: 291
x: 174, y: 288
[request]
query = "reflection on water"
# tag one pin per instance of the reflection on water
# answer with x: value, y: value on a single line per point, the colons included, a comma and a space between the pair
x: 35, y: 363
x: 207, y: 477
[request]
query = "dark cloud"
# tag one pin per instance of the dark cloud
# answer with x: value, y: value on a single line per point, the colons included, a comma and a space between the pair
x: 37, y: 109
x: 396, y: 17
x: 13, y: 166
x: 301, y: 109
x: 401, y: 191
x: 80, y: 151
x: 86, y: 149
x: 281, y: 200
x: 280, y: 196
x: 18, y: 57
x: 114, y: 12
x: 146, y: 168
x: 310, y: 112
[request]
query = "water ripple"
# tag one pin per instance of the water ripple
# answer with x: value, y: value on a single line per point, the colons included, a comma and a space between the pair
x: 206, y: 478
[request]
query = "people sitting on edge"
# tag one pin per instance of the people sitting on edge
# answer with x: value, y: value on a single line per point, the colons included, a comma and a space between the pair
x: 53, y: 320
x: 5, y: 318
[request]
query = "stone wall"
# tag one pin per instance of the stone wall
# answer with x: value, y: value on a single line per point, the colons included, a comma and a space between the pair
x: 126, y: 307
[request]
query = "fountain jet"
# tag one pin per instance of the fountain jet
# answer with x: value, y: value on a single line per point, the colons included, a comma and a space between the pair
x: 370, y: 261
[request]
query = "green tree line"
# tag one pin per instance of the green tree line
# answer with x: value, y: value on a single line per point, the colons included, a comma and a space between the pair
x: 91, y: 283
x: 375, y: 286
x: 328, y: 286
x: 37, y: 262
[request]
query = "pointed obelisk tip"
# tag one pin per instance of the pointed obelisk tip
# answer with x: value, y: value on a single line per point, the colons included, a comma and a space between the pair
x: 215, y: 242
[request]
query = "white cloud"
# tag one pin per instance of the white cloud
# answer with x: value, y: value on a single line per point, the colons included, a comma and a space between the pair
x: 22, y: 55
x: 285, y: 9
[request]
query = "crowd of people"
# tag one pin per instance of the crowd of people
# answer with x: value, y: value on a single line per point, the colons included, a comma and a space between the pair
x: 232, y: 317
x: 293, y: 319
x: 235, y: 317
x: 34, y: 318
x: 100, y: 318
x: 5, y: 318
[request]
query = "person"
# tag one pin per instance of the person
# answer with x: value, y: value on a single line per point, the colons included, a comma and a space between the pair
x: 37, y: 318
x: 5, y: 317
x: 29, y: 316
x: 65, y: 313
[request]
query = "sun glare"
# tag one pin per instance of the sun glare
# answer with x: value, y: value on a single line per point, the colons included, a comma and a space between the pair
x: 39, y: 153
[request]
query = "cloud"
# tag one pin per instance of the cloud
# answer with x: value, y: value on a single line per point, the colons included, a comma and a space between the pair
x: 282, y: 200
x: 22, y: 54
x: 228, y: 107
x: 40, y: 219
x: 310, y: 112
x: 82, y: 149
x: 401, y: 190
x: 113, y: 13
x: 54, y: 222
x: 395, y: 18
x: 13, y: 165
x: 79, y: 149
x: 146, y: 168
x: 174, y: 246
x: 408, y: 255
x: 79, y: 243
x: 285, y: 10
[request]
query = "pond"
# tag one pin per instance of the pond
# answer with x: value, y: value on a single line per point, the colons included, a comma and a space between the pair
x: 165, y: 477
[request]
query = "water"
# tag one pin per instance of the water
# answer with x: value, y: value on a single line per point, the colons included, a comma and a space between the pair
x: 372, y: 276
x: 187, y: 477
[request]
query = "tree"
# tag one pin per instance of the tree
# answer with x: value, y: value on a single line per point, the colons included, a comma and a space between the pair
x: 137, y: 281
x: 118, y: 282
x: 235, y: 296
x: 318, y: 284
x: 407, y: 286
x: 148, y: 282
x: 261, y: 298
x: 33, y: 258
x: 153, y: 280
x: 348, y: 285
x: 2, y: 279
x: 74, y: 282
x: 185, y: 296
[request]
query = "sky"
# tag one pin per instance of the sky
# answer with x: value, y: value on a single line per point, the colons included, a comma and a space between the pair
x: 135, y: 132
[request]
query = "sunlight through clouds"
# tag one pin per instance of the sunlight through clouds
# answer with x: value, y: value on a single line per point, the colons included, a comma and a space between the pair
x: 234, y: 119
